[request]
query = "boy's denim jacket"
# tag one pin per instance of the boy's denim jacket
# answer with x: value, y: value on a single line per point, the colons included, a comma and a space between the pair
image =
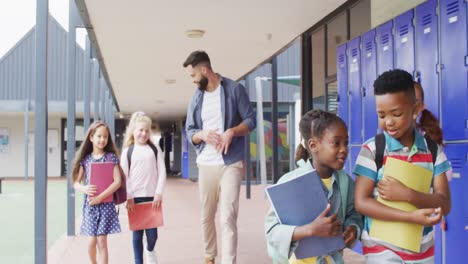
x: 235, y: 108
x: 279, y: 237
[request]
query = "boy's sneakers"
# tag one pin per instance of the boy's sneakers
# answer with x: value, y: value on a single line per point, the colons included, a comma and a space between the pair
x: 151, y: 257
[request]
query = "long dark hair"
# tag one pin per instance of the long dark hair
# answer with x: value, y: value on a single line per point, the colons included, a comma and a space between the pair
x: 428, y: 122
x: 87, y: 147
x: 313, y: 124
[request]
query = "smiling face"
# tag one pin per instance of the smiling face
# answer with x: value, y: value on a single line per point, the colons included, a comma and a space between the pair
x: 141, y: 133
x: 396, y: 113
x: 330, y: 151
x: 100, y: 138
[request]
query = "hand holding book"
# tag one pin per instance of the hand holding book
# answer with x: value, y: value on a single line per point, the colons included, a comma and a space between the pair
x: 157, y: 201
x: 322, y: 226
x: 144, y: 216
x: 302, y: 202
x: 90, y: 190
x: 392, y: 189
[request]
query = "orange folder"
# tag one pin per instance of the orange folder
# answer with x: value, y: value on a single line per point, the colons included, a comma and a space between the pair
x: 102, y: 175
x: 145, y: 217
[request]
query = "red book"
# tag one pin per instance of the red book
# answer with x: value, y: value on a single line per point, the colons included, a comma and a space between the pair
x: 145, y: 217
x: 102, y: 175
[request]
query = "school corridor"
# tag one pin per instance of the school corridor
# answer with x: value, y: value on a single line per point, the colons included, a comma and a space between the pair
x: 180, y: 239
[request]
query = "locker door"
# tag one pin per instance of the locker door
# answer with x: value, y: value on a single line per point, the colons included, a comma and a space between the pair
x: 354, y: 152
x: 404, y: 42
x: 369, y: 74
x: 354, y: 86
x: 456, y: 234
x: 342, y: 80
x: 426, y: 58
x: 454, y: 62
x: 384, y: 47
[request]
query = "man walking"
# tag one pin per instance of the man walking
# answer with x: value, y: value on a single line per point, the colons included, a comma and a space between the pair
x: 218, y: 118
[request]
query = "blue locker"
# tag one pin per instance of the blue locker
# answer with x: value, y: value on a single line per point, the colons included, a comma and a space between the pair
x: 454, y: 60
x: 355, y: 88
x: 354, y: 152
x: 342, y: 80
x: 457, y: 220
x: 404, y: 41
x: 384, y: 47
x: 427, y: 57
x: 369, y: 74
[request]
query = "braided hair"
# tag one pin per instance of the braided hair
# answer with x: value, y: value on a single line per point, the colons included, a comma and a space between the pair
x: 313, y: 125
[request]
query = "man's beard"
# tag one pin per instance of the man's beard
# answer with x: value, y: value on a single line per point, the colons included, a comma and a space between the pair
x: 203, y: 83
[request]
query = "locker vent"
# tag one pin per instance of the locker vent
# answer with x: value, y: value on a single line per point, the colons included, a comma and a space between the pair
x: 368, y: 46
x: 426, y: 20
x: 456, y: 163
x: 341, y: 58
x: 384, y: 39
x: 452, y: 8
x: 404, y: 30
x: 354, y: 52
x: 332, y: 97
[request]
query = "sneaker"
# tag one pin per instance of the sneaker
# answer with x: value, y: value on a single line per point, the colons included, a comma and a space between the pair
x: 151, y: 257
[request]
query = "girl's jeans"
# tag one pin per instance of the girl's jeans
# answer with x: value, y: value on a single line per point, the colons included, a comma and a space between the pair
x: 151, y: 236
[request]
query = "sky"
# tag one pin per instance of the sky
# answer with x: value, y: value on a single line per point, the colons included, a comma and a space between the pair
x: 17, y: 17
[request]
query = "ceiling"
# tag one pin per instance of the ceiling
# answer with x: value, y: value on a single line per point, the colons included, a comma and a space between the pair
x: 144, y: 43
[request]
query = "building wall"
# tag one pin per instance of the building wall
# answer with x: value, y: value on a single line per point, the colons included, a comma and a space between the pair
x: 384, y: 10
x: 12, y: 162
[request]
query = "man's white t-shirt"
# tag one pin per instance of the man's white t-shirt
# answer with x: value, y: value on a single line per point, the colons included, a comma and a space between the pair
x: 212, y: 120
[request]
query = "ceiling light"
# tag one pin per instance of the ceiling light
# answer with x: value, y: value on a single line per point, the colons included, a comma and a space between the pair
x: 170, y: 81
x: 194, y: 33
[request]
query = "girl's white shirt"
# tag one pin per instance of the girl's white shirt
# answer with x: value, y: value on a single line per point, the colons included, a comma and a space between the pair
x: 147, y: 177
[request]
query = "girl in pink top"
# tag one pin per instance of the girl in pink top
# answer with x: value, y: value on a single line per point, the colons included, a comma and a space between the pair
x: 146, y: 177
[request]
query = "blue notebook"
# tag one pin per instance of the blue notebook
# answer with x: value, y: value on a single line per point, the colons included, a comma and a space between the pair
x: 298, y: 202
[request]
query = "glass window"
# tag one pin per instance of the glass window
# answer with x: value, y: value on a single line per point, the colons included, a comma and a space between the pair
x: 318, y: 69
x: 263, y: 71
x: 289, y: 81
x: 360, y: 18
x: 336, y: 34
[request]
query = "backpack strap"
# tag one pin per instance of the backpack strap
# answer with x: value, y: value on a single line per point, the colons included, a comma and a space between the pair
x: 155, y: 150
x: 343, y: 182
x: 432, y: 148
x: 129, y: 157
x: 380, y: 147
x: 130, y: 151
x: 379, y: 150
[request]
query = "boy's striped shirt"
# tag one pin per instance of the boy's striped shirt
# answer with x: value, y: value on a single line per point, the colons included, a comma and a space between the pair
x: 419, y: 155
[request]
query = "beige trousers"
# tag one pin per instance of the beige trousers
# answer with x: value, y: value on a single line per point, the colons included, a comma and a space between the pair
x: 220, y: 183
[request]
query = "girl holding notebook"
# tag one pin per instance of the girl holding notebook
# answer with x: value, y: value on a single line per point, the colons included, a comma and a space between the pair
x: 99, y: 215
x: 143, y: 165
x: 324, y: 149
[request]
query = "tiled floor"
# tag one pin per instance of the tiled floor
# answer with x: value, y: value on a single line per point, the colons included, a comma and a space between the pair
x: 180, y: 239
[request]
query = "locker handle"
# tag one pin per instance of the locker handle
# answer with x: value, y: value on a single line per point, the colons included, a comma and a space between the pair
x: 337, y: 97
x: 417, y: 76
x: 363, y: 91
